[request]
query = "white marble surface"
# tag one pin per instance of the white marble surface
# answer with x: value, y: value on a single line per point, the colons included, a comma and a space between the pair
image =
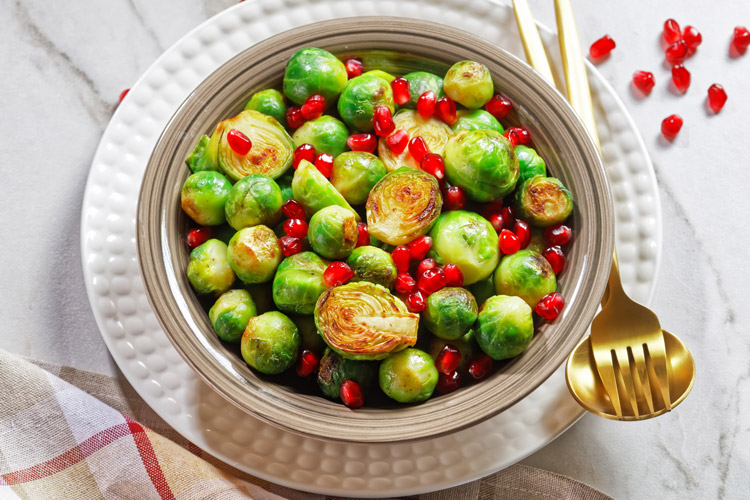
x: 64, y: 65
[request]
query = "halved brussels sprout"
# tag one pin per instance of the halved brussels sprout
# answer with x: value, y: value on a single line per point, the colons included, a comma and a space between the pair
x: 468, y: 240
x: 310, y: 339
x: 270, y: 343
x: 466, y: 345
x: 203, y: 157
x: 450, y: 312
x: 374, y: 265
x: 334, y: 369
x: 483, y: 289
x: 530, y: 164
x: 333, y: 232
x: 482, y: 163
x: 504, y: 327
x: 544, y: 201
x: 525, y: 274
x: 254, y: 253
x: 208, y: 269
x: 421, y: 82
x: 360, y: 97
x: 230, y: 314
x: 269, y: 102
x: 355, y: 173
x: 434, y: 132
x: 469, y: 83
x: 403, y: 206
x: 325, y: 133
x: 299, y: 282
x: 314, y: 71
x: 285, y: 184
x: 255, y: 199
x: 203, y: 197
x: 408, y: 376
x: 477, y: 119
x: 314, y: 191
x: 364, y: 321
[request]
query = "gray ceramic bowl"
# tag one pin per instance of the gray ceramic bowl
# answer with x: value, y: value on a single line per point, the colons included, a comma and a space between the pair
x: 557, y: 134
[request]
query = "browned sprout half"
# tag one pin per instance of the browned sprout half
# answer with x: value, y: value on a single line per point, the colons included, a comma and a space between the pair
x: 434, y: 132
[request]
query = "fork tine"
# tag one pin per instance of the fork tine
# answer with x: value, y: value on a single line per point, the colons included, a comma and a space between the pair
x: 640, y: 376
x: 656, y: 352
x: 623, y: 362
x: 603, y: 361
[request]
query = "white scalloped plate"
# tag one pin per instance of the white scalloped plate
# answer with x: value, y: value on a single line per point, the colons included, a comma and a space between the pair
x: 169, y: 386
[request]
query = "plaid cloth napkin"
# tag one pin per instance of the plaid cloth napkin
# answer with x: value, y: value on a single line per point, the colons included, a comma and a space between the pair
x: 71, y: 434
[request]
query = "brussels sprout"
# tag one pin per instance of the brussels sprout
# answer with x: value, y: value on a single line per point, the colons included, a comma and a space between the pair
x: 408, y: 376
x: 254, y: 253
x: 504, y: 327
x: 364, y: 321
x: 434, y: 132
x: 530, y: 164
x: 478, y: 119
x: 333, y: 232
x: 468, y: 240
x: 525, y: 274
x: 380, y: 73
x: 482, y: 163
x: 208, y: 269
x: 285, y: 184
x: 355, y: 173
x: 334, y: 369
x: 299, y: 282
x: 469, y: 83
x: 326, y: 133
x: 374, y: 265
x: 314, y: 71
x: 203, y: 157
x: 230, y: 313
x: 421, y: 82
x: 483, y: 289
x: 403, y: 206
x: 360, y: 97
x: 255, y: 199
x: 270, y: 343
x: 466, y: 345
x: 203, y: 197
x: 269, y: 102
x: 544, y: 201
x: 450, y: 312
x: 310, y: 339
x: 314, y: 191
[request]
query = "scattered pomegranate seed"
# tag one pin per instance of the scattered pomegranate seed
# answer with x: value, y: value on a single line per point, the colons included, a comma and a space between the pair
x: 433, y: 164
x: 448, y: 383
x: 559, y: 234
x: 296, y: 228
x: 397, y: 141
x: 644, y: 80
x: 198, y: 236
x: 671, y: 126
x: 509, y: 216
x: 307, y: 363
x: 239, y: 142
x: 401, y: 258
x: 426, y: 104
x: 448, y: 360
x: 313, y: 107
x: 453, y: 275
x: 509, y: 242
x: 303, y: 152
x: 692, y: 38
x: 324, y: 164
x: 741, y: 39
x: 419, y: 247
x: 431, y: 281
x: 290, y: 245
x: 292, y: 209
x: 415, y: 302
x: 364, y: 235
x: 497, y: 222
x: 382, y: 121
x: 354, y: 67
x: 556, y: 258
x: 445, y: 110
x: 425, y: 264
x: 602, y: 47
x: 523, y: 231
x: 454, y: 198
x: 480, y: 366
x: 499, y: 106
x: 294, y: 117
x: 671, y: 31
x: 123, y: 94
x: 677, y: 52
x: 351, y: 394
x: 550, y: 306
x: 418, y: 148
x: 680, y: 77
x: 512, y: 136
x: 337, y: 273
x: 523, y: 136
x: 401, y: 92
x: 362, y: 142
x: 716, y: 97
x: 405, y: 284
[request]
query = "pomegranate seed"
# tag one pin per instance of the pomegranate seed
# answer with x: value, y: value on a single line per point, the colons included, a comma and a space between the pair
x: 480, y: 366
x: 364, y: 235
x: 512, y: 136
x: 522, y: 135
x: 401, y: 258
x: 556, y: 258
x: 351, y: 394
x: 499, y: 106
x: 382, y: 121
x: 313, y: 107
x: 294, y: 117
x: 454, y: 198
x: 337, y: 273
x: 426, y: 104
x: 198, y: 236
x: 290, y: 245
x: 523, y: 231
x: 671, y: 31
x: 644, y: 80
x: 292, y: 209
x: 354, y: 67
x: 497, y: 222
x: 425, y: 264
x: 123, y: 94
x: 431, y: 281
x: 397, y: 141
x: 692, y: 38
x: 453, y: 275
x: 741, y: 39
x: 558, y: 235
x: 304, y: 152
x: 601, y: 47
x: 415, y: 302
x: 324, y: 164
x: 680, y: 77
x: 671, y: 126
x: 296, y: 228
x: 448, y: 360
x: 509, y: 242
x: 445, y: 110
x: 550, y: 306
x: 448, y: 383
x: 418, y: 148
x: 494, y: 207
x: 405, y: 284
x: 509, y: 216
x: 401, y: 92
x: 433, y: 164
x: 716, y: 97
x: 362, y: 142
x: 239, y: 142
x: 308, y: 363
x: 418, y: 248
x: 677, y: 52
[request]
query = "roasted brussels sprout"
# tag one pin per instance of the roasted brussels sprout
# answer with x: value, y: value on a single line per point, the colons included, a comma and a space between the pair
x: 270, y: 343
x: 450, y: 312
x: 408, y: 376
x: 360, y: 97
x: 530, y: 164
x: 468, y: 240
x: 466, y: 345
x: 326, y: 134
x: 469, y: 83
x: 254, y: 253
x: 230, y: 313
x: 544, y: 201
x: 269, y: 102
x: 334, y: 369
x: 403, y: 206
x: 285, y: 184
x: 308, y: 333
x: 333, y: 232
x: 477, y: 119
x: 434, y: 132
x: 203, y: 157
x: 364, y: 321
x: 482, y: 163
x: 313, y: 71
x: 299, y: 282
x: 374, y: 265
x: 482, y: 289
x: 421, y: 82
x: 203, y: 197
x: 504, y: 327
x: 208, y: 269
x: 314, y: 191
x: 525, y: 274
x: 380, y: 73
x: 255, y: 199
x: 355, y: 173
